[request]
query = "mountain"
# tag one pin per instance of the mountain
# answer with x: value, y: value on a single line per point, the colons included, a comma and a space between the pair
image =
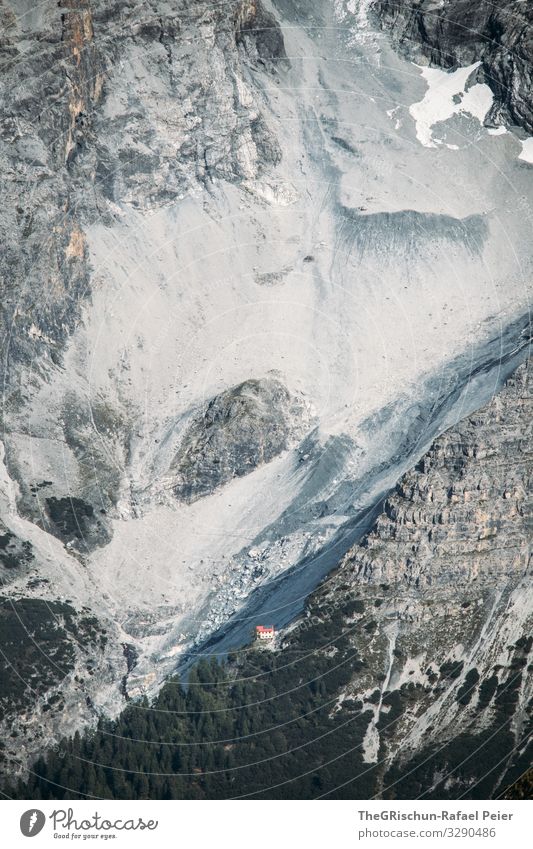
x: 408, y: 675
x: 255, y: 261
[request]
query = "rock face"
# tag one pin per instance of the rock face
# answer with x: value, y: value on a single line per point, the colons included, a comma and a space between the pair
x: 419, y: 688
x: 239, y: 430
x: 260, y: 32
x: 106, y: 107
x: 448, y: 33
x: 464, y: 514
x: 436, y: 606
x: 50, y: 653
x: 105, y: 139
x: 15, y: 554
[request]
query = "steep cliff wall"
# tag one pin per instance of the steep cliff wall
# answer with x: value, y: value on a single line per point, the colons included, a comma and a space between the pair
x: 464, y: 515
x: 449, y: 33
x: 436, y: 604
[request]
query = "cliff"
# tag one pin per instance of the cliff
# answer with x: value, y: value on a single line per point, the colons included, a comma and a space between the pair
x: 460, y: 32
x: 463, y: 516
x: 436, y: 604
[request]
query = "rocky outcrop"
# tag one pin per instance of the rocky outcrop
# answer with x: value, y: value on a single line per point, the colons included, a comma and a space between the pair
x: 464, y: 514
x: 239, y: 430
x: 108, y: 108
x: 449, y: 33
x: 93, y: 145
x: 44, y: 267
x: 436, y: 605
x: 404, y: 690
x: 15, y: 554
x: 51, y: 655
x: 260, y: 33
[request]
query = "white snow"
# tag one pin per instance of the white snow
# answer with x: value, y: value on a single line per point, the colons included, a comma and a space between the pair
x: 527, y: 151
x: 477, y: 101
x: 448, y: 95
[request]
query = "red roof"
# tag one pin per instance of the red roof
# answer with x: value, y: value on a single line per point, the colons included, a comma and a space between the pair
x: 262, y: 628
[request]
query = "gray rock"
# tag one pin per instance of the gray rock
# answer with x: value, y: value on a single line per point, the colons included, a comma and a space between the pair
x: 15, y: 555
x: 461, y: 32
x: 260, y: 33
x: 239, y: 430
x: 464, y: 514
x: 435, y: 605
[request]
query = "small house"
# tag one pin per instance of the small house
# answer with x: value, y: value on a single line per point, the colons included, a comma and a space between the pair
x: 263, y: 632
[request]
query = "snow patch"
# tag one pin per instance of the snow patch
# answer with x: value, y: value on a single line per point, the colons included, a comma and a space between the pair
x: 447, y: 95
x: 527, y: 151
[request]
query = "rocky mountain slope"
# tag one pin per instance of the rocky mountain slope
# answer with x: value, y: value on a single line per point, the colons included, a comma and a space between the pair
x: 451, y: 33
x: 469, y: 494
x: 248, y: 275
x: 408, y: 676
x: 445, y: 616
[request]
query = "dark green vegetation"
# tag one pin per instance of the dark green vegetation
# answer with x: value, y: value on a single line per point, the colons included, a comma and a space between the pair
x: 41, y: 644
x: 284, y: 725
x: 15, y: 554
x: 230, y: 733
x: 38, y: 642
x: 74, y: 520
x: 522, y: 788
x: 466, y: 691
x: 36, y: 650
x: 71, y: 516
x: 477, y: 759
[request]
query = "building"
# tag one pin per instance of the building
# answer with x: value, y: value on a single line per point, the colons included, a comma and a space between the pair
x: 263, y: 632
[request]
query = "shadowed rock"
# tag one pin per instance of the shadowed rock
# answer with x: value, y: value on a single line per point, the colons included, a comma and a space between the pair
x: 239, y: 430
x: 259, y: 32
x: 460, y: 32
